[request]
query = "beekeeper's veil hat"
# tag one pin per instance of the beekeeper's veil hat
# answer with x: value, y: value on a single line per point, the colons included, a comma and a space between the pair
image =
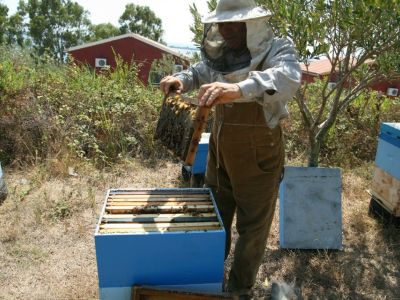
x: 235, y: 11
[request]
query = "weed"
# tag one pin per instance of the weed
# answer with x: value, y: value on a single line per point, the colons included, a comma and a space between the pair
x: 91, y: 197
x: 61, y: 210
x: 26, y: 254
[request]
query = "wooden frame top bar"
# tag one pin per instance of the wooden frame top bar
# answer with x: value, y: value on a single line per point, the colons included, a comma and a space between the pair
x: 128, y: 210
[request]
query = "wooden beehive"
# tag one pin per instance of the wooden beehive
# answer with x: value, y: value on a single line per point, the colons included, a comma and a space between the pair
x: 386, y: 189
x: 159, y: 237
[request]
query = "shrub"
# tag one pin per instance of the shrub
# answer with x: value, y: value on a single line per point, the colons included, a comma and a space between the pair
x: 354, y: 137
x: 54, y: 110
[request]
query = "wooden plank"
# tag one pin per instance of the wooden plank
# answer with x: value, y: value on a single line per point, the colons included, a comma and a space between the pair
x: 150, y: 293
x: 144, y: 230
x: 160, y: 191
x: 110, y: 216
x: 394, y: 211
x: 156, y: 209
x: 182, y: 207
x: 157, y: 225
x: 157, y: 199
x: 201, y: 119
x: 160, y: 220
x: 377, y: 210
x: 386, y: 205
x: 175, y: 194
x: 163, y: 194
x: 158, y: 203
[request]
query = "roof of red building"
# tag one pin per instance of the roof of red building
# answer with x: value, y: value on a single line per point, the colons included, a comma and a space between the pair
x: 130, y: 35
x: 317, y: 67
x: 324, y: 66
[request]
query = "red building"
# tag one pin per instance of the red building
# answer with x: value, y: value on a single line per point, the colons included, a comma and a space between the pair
x: 322, y: 69
x: 131, y: 47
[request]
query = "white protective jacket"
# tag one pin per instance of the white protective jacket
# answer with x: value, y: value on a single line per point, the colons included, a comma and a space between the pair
x: 279, y: 71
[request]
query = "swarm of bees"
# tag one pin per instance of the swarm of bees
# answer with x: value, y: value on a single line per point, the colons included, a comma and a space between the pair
x: 178, y: 105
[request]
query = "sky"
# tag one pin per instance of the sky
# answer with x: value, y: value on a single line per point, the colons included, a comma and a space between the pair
x: 175, y: 14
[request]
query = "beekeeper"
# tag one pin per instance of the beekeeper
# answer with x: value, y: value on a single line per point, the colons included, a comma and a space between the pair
x: 249, y: 75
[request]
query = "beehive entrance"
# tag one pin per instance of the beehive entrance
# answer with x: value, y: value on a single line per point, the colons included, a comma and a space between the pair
x: 158, y: 211
x: 151, y: 293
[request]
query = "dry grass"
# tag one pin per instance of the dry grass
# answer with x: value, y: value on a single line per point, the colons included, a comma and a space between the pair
x: 367, y: 268
x: 47, y: 237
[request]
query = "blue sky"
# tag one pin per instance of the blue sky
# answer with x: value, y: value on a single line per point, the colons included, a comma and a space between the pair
x: 175, y: 14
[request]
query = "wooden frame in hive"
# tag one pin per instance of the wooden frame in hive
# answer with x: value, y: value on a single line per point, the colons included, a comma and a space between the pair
x: 159, y: 237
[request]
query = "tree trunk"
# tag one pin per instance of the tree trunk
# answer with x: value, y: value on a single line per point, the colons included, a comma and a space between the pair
x: 315, y: 148
x: 3, y: 187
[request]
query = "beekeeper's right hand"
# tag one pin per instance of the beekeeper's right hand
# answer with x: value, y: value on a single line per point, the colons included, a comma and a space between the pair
x: 171, y: 84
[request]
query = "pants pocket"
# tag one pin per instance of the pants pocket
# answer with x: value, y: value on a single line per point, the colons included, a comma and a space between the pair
x: 268, y: 154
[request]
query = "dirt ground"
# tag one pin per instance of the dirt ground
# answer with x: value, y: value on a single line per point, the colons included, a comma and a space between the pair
x: 48, y: 221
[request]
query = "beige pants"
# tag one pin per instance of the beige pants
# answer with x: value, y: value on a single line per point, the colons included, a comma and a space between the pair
x: 245, y: 164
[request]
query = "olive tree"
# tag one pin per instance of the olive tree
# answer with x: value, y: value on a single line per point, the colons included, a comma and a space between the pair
x: 197, y: 27
x: 361, y: 40
x: 102, y: 31
x: 141, y: 20
x: 3, y: 21
x: 51, y: 26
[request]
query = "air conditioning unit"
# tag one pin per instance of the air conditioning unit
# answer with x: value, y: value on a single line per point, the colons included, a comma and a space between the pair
x: 331, y: 85
x: 178, y: 68
x: 392, y: 92
x: 100, y: 62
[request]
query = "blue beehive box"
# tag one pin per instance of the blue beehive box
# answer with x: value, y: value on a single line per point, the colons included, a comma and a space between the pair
x: 200, y: 161
x: 171, y: 238
x: 388, y: 151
